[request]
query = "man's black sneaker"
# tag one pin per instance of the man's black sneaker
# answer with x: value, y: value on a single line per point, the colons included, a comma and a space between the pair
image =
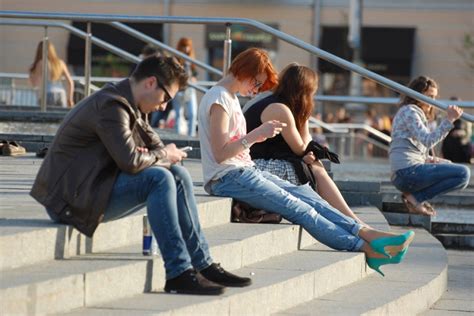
x: 191, y: 282
x: 217, y: 274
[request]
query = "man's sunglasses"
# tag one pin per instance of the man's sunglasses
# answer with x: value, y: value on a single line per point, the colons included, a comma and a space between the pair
x: 168, y: 96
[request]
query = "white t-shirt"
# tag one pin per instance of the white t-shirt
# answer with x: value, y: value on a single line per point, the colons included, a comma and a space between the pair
x: 237, y: 129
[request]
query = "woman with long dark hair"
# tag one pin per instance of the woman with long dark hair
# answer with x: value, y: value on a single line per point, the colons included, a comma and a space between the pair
x: 292, y: 102
x: 57, y: 71
x: 419, y: 176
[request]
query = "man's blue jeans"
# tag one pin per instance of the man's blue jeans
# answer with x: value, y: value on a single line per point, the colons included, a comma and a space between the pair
x: 172, y: 213
x: 429, y: 180
x: 298, y: 204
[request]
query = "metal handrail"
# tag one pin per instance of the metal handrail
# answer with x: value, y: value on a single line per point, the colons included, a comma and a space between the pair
x: 198, y: 85
x: 341, y: 128
x: 380, y: 100
x: 364, y: 127
x: 314, y: 122
x: 226, y: 21
x: 373, y: 141
x: 151, y: 40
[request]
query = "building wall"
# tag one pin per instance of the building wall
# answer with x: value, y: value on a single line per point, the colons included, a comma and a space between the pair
x: 296, y: 21
x: 439, y: 30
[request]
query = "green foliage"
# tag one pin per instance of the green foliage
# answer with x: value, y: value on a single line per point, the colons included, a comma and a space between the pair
x: 110, y: 66
x: 467, y: 50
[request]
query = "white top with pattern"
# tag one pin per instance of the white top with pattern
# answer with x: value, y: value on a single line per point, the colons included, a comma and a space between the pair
x: 237, y: 129
x: 411, y: 138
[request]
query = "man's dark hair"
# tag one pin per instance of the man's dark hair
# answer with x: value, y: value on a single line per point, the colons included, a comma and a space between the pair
x: 168, y: 70
x: 149, y: 50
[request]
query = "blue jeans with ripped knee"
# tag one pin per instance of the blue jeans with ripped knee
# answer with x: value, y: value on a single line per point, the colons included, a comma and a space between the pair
x: 298, y: 204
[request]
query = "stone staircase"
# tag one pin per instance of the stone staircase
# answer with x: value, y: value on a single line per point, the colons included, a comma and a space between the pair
x: 47, y: 268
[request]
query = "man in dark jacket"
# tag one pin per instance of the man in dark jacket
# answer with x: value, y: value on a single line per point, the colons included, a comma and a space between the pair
x: 106, y: 162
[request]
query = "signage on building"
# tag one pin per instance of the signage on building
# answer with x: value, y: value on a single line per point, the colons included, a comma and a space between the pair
x: 242, y: 37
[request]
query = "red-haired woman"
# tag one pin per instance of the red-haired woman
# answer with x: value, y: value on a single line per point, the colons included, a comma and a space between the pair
x: 229, y: 171
x: 292, y: 103
x: 57, y: 70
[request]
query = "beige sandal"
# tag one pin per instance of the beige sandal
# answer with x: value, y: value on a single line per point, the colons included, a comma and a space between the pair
x: 429, y: 207
x: 12, y: 148
x: 419, y: 209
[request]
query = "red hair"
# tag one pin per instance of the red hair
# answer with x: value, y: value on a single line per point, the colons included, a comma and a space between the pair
x: 252, y: 62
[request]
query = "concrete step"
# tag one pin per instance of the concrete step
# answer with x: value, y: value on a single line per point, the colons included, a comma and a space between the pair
x: 278, y: 270
x: 32, y: 108
x: 463, y: 199
x: 278, y: 283
x: 458, y: 300
x: 456, y: 241
x: 61, y: 285
x: 31, y: 116
x: 406, y: 219
x: 31, y: 246
x: 30, y: 241
x: 453, y: 221
x: 407, y: 289
x: 36, y: 135
x: 453, y: 226
x: 372, y: 193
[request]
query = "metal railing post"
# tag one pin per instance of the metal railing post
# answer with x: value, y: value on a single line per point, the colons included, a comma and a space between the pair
x: 352, y: 144
x: 44, y: 86
x: 87, y: 61
x: 227, y: 49
x: 342, y: 145
x: 364, y: 150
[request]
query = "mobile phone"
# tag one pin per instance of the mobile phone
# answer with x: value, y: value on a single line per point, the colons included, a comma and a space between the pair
x: 187, y: 148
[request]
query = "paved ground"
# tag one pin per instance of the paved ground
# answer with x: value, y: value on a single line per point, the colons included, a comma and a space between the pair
x: 459, y: 299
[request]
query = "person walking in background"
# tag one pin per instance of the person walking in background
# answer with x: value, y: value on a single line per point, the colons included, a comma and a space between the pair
x: 292, y: 103
x: 186, y: 100
x: 57, y: 72
x: 419, y: 176
x: 229, y: 171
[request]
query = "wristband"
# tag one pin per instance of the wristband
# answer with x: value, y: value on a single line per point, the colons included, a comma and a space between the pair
x: 245, y: 143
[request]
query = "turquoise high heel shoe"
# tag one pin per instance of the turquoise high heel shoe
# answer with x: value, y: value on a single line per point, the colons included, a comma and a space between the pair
x: 379, y: 244
x: 399, y: 257
x: 376, y: 263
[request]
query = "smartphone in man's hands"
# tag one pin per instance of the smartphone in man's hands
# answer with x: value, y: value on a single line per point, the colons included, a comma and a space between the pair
x: 186, y: 149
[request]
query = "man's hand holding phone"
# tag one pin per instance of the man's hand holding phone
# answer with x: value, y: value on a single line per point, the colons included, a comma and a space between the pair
x: 187, y: 148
